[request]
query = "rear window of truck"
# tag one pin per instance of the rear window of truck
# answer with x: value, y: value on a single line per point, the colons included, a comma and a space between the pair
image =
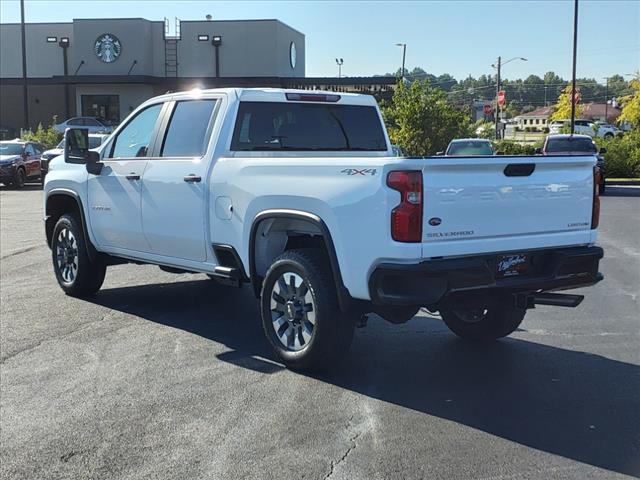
x: 279, y: 126
x: 574, y: 145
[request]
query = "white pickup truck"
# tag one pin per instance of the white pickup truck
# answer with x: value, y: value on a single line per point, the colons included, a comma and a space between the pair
x: 299, y: 195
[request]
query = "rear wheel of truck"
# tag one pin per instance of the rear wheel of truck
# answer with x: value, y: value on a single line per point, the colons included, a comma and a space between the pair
x: 300, y: 313
x: 483, y: 324
x: 77, y: 274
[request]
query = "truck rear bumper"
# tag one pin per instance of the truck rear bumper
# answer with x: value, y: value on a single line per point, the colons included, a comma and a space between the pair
x: 434, y: 281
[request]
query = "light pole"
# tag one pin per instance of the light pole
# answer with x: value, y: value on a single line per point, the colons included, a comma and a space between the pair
x: 216, y: 41
x: 573, y: 79
x: 339, y: 62
x: 606, y: 101
x: 25, y: 91
x: 404, y: 56
x: 498, y: 65
x: 64, y: 44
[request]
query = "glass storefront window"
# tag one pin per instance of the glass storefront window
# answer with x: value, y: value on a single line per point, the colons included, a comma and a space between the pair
x: 106, y: 107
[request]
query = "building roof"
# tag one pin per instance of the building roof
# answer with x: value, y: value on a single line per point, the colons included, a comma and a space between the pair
x: 597, y: 110
x: 538, y: 112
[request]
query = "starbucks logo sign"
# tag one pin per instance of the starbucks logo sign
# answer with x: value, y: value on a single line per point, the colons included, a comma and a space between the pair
x: 107, y: 48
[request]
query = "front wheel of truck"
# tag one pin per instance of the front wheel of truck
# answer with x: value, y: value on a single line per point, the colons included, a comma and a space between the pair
x: 483, y: 324
x: 300, y: 313
x: 77, y: 274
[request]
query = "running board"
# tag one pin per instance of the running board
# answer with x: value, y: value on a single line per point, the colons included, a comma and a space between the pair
x: 227, y: 276
x: 557, y: 299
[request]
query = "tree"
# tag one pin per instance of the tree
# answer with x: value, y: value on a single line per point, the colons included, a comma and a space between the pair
x: 421, y: 120
x: 48, y: 136
x: 562, y: 109
x: 631, y: 109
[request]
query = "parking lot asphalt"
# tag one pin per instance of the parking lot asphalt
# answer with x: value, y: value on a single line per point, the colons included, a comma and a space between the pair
x: 169, y: 376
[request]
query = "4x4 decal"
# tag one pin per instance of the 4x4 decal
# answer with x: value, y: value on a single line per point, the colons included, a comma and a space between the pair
x: 359, y: 171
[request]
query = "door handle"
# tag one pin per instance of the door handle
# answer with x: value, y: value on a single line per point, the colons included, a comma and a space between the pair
x: 191, y: 178
x: 133, y: 176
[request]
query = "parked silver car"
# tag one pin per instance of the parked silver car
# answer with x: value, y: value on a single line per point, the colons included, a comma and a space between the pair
x: 93, y: 124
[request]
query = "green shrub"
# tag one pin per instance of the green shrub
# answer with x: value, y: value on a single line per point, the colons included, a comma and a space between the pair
x: 509, y: 147
x: 622, y: 159
x: 49, y: 136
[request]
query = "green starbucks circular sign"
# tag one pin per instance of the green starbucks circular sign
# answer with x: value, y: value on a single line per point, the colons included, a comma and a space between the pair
x: 107, y: 48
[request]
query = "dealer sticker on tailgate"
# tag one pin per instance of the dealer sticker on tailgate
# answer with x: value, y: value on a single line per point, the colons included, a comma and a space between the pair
x: 512, y: 265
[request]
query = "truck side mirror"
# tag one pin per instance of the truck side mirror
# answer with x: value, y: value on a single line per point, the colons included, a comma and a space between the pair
x: 76, y: 147
x: 603, y: 150
x: 538, y: 151
x: 439, y: 154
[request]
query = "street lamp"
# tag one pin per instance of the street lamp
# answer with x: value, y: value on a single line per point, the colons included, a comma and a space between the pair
x: 404, y: 55
x: 606, y: 99
x: 498, y: 65
x: 64, y: 44
x: 339, y: 62
x: 216, y: 41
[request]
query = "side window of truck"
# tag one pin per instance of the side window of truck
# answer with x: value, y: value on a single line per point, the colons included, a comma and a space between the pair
x: 133, y: 140
x: 190, y: 122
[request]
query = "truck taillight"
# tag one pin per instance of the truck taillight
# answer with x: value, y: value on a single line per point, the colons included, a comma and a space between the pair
x: 595, y: 210
x: 406, y: 218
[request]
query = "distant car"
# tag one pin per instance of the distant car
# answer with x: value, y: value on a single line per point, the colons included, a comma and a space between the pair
x: 468, y: 147
x: 95, y: 140
x: 93, y: 124
x: 565, y: 144
x: 607, y: 131
x: 19, y: 162
x: 581, y: 127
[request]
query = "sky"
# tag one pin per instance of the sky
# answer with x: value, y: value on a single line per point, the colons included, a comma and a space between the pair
x: 457, y: 37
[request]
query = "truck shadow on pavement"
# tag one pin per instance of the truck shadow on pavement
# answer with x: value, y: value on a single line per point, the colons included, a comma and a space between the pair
x: 568, y: 403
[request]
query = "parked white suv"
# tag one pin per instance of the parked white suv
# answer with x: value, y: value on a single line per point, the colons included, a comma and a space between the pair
x: 298, y: 194
x: 585, y: 127
x: 582, y: 127
x: 607, y: 131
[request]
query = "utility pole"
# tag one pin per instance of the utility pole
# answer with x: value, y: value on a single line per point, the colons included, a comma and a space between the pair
x: 573, y: 80
x: 498, y: 66
x: 25, y: 90
x: 495, y: 113
x: 545, y: 96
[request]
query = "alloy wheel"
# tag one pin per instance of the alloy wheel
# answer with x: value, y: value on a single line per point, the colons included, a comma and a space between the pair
x: 67, y: 255
x: 293, y: 311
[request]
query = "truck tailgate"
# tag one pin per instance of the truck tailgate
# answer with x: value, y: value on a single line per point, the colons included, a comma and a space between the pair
x: 491, y: 204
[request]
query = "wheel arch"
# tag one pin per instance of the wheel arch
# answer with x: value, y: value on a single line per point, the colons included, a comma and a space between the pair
x: 59, y: 202
x: 314, y: 227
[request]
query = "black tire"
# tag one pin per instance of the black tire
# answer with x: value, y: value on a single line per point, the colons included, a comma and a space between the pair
x: 602, y: 187
x: 482, y: 325
x: 20, y: 178
x: 608, y: 136
x: 332, y: 330
x: 88, y: 275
